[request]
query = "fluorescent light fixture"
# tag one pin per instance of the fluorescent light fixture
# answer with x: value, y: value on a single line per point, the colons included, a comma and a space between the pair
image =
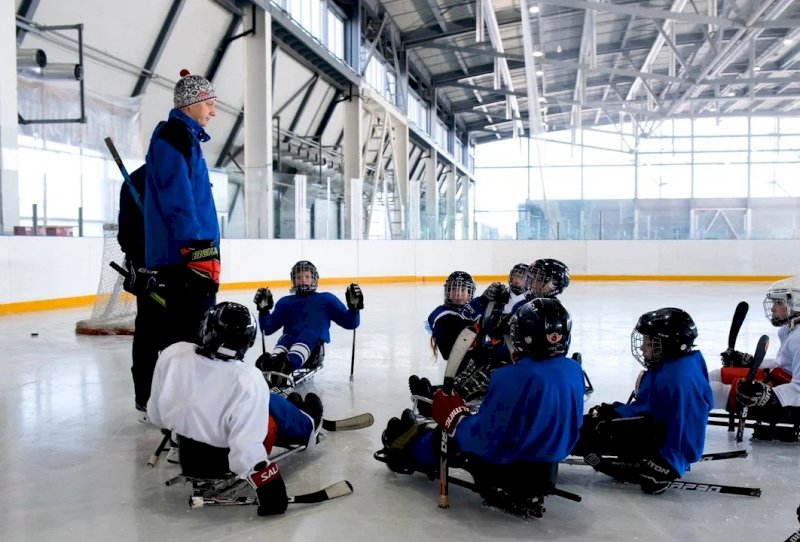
x: 788, y: 41
x: 533, y: 10
x: 756, y: 68
x: 542, y: 99
x: 538, y: 54
x: 539, y: 73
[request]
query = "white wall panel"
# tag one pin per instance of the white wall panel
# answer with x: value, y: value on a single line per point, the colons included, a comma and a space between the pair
x: 49, y: 267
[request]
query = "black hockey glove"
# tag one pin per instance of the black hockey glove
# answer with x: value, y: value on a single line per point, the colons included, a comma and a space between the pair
x: 263, y: 301
x: 656, y: 475
x: 270, y: 489
x: 202, y: 267
x: 605, y: 411
x: 354, y: 297
x: 755, y: 394
x: 497, y: 292
x: 734, y: 358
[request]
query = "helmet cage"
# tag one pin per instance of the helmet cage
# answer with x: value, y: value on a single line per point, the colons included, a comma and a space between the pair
x: 548, y: 274
x: 519, y: 279
x: 458, y: 282
x: 297, y: 273
x: 637, y: 349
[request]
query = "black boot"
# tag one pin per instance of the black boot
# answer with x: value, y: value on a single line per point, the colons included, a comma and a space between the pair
x: 397, y: 439
x: 312, y: 405
x: 422, y: 388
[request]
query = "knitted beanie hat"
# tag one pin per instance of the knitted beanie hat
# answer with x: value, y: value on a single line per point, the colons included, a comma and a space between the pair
x: 192, y: 89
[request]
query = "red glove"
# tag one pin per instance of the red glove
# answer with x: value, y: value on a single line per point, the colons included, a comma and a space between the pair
x: 202, y: 266
x: 448, y: 410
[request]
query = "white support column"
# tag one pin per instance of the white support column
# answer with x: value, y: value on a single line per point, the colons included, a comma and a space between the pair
x: 9, y: 181
x: 413, y: 210
x: 432, y: 197
x: 300, y: 205
x: 400, y: 147
x: 353, y: 164
x: 465, y: 208
x: 355, y: 224
x: 259, y: 212
x: 450, y: 203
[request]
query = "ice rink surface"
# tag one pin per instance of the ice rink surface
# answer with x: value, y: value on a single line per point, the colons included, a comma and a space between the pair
x: 73, y: 457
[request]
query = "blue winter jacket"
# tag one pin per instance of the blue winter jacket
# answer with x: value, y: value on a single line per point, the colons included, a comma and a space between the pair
x: 178, y: 204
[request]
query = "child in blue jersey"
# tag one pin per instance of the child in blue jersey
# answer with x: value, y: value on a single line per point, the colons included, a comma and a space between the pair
x: 452, y: 327
x: 529, y: 420
x: 305, y: 317
x: 655, y: 438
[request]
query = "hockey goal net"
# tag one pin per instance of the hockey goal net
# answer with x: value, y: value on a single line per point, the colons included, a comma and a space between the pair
x: 114, y: 309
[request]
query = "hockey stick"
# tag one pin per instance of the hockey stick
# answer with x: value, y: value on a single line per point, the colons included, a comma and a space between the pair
x: 333, y: 491
x: 447, y: 388
x: 716, y: 488
x: 758, y: 357
x: 736, y: 324
x: 635, y: 391
x: 360, y: 421
x: 127, y: 178
x: 161, y: 447
x: 353, y: 356
x: 717, y: 456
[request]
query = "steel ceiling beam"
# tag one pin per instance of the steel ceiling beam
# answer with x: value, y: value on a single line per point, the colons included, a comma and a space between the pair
x: 158, y: 47
x: 535, y: 122
x: 647, y: 13
x: 457, y: 28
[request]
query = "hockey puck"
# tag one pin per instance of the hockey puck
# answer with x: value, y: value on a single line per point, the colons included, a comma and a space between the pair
x: 34, y: 334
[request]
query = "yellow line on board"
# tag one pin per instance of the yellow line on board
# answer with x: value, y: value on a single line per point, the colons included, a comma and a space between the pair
x: 80, y: 301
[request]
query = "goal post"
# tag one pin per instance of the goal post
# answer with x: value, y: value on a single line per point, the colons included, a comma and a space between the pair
x: 114, y: 309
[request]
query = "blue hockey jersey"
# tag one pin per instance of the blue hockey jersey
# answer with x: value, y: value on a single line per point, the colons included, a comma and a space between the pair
x: 308, y: 313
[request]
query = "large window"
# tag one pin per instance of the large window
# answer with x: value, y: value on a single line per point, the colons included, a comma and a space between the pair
x: 708, y: 163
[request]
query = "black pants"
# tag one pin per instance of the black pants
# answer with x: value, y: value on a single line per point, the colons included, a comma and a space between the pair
x: 146, y: 345
x: 185, y: 307
x: 519, y: 481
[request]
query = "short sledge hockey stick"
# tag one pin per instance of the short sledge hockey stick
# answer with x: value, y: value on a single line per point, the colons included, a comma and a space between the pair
x: 360, y: 421
x: 758, y: 357
x: 333, y: 491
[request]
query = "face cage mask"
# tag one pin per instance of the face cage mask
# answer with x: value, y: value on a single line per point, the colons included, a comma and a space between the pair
x: 544, y: 281
x: 458, y: 284
x: 525, y: 280
x: 637, y: 343
x: 786, y: 300
x: 304, y: 288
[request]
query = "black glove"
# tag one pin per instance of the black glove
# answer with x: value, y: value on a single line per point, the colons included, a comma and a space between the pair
x: 605, y: 411
x: 202, y: 267
x: 354, y: 297
x: 754, y: 394
x: 130, y: 284
x: 734, y: 358
x: 656, y: 475
x: 270, y: 489
x: 263, y: 301
x: 497, y: 292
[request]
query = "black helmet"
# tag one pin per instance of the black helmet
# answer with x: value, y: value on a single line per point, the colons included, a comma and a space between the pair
x: 519, y: 279
x: 541, y: 329
x: 548, y: 277
x: 671, y: 333
x: 300, y: 267
x: 458, y: 280
x: 227, y: 331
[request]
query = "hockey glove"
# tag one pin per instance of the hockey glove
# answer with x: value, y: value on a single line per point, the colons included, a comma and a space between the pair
x: 734, y: 358
x: 202, y: 266
x: 755, y: 394
x: 263, y: 301
x: 656, y: 475
x: 354, y: 297
x: 270, y: 489
x: 496, y: 292
x: 448, y: 410
x: 604, y: 411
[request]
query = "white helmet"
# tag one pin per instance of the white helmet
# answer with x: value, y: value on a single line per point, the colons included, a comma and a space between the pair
x: 785, y: 292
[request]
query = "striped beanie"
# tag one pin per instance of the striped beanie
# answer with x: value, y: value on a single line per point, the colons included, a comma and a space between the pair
x: 192, y: 89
